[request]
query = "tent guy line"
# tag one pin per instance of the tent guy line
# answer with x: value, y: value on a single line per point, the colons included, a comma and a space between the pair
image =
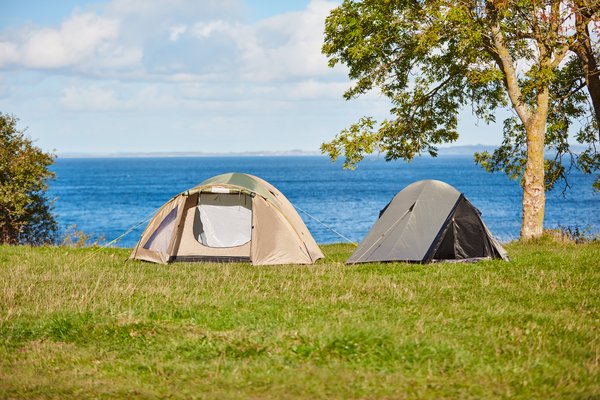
x: 121, y: 236
x: 327, y: 226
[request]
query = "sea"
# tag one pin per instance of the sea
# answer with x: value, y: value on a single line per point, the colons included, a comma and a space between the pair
x: 104, y: 197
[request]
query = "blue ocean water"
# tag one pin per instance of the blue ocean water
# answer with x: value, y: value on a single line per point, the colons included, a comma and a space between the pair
x: 105, y: 196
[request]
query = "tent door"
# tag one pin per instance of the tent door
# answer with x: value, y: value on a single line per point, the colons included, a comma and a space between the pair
x: 465, y: 237
x: 223, y: 220
x: 217, y: 227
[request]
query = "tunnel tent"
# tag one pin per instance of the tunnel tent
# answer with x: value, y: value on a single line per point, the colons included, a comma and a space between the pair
x: 428, y: 221
x: 230, y: 217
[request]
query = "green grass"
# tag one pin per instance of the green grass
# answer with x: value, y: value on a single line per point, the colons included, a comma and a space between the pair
x: 108, y: 329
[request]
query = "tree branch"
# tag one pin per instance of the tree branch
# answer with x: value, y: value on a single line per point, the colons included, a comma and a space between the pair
x: 571, y: 92
x: 505, y: 63
x: 582, y: 47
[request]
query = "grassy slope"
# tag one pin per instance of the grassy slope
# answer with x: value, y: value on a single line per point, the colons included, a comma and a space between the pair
x: 527, y: 329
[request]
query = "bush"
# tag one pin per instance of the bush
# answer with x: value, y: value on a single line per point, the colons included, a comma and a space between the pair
x: 25, y: 212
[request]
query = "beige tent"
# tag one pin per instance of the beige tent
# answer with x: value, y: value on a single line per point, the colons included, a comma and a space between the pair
x: 230, y: 217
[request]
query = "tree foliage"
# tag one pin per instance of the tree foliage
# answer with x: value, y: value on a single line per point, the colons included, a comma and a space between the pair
x: 433, y: 58
x: 25, y: 212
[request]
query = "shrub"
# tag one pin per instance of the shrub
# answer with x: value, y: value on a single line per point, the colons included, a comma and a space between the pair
x: 25, y: 212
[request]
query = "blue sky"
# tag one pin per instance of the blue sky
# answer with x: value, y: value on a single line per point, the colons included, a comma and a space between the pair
x: 179, y: 75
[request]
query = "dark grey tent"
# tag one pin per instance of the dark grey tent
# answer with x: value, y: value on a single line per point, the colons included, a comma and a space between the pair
x: 427, y: 221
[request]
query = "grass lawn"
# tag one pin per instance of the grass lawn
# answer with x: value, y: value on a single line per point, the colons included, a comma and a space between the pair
x: 108, y: 329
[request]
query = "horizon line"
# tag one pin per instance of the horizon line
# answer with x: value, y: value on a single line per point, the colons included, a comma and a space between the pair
x: 454, y: 150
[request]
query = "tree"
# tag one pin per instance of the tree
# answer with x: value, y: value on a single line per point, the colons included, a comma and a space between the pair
x: 432, y: 58
x: 25, y: 212
x: 585, y: 13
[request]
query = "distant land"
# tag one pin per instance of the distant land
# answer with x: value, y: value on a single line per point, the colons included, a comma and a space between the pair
x: 290, y: 153
x: 450, y: 150
x: 466, y: 150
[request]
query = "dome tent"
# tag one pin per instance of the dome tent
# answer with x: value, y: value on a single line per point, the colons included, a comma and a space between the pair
x: 428, y: 220
x: 230, y: 217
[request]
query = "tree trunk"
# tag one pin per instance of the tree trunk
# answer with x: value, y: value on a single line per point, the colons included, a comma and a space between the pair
x: 5, y: 238
x: 585, y: 52
x: 593, y: 84
x: 534, y: 196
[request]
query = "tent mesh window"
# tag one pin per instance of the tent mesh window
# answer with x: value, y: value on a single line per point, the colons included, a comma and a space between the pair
x: 159, y: 241
x: 223, y: 220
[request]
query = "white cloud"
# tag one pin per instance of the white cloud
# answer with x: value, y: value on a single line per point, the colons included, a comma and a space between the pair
x: 91, y: 98
x: 286, y: 46
x: 185, y: 95
x: 312, y: 89
x: 132, y: 97
x: 297, y: 53
x: 205, y: 30
x: 159, y: 63
x: 177, y: 31
x: 9, y: 53
x: 142, y: 40
x: 82, y: 40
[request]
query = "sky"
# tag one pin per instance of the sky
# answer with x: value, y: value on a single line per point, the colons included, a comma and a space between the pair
x: 180, y: 75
